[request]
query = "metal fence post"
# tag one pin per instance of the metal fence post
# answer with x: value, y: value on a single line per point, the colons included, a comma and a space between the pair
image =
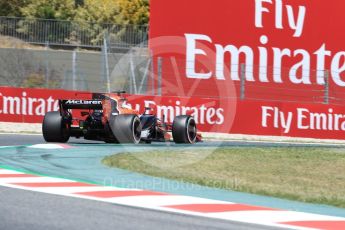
x: 47, y: 65
x: 159, y: 73
x: 106, y: 60
x: 243, y: 81
x: 74, y: 69
x: 145, y: 76
x: 326, y: 94
x: 152, y: 75
x: 133, y: 81
x: 46, y: 32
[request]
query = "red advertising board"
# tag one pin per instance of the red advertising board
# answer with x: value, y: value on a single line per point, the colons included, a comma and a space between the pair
x: 290, y: 119
x: 212, y: 115
x: 290, y: 50
x: 30, y: 105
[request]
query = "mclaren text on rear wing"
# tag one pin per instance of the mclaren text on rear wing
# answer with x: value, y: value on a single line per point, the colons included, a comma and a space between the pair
x: 81, y: 104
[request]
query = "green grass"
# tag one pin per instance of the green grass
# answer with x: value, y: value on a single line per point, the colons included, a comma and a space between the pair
x: 314, y: 175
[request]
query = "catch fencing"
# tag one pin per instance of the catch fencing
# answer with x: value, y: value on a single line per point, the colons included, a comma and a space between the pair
x: 139, y: 73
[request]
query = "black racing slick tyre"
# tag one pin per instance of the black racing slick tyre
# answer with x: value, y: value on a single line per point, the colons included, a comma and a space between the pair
x: 184, y: 130
x: 126, y: 128
x: 54, y: 128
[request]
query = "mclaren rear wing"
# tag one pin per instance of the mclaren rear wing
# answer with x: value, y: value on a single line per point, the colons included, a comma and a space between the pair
x: 81, y: 104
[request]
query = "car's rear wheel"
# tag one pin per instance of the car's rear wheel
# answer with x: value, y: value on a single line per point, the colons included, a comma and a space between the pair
x: 55, y: 128
x: 184, y: 130
x: 126, y: 128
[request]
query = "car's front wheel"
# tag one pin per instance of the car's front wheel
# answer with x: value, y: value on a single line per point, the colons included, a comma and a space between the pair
x: 184, y: 130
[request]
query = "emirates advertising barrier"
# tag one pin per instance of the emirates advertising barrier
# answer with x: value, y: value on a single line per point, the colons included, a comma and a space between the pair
x: 30, y: 105
x: 249, y: 117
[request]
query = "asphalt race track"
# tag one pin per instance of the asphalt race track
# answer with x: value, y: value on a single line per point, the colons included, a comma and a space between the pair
x: 22, y: 139
x: 29, y: 210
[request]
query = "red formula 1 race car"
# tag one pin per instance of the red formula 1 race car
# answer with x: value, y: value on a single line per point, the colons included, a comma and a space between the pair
x: 107, y: 117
